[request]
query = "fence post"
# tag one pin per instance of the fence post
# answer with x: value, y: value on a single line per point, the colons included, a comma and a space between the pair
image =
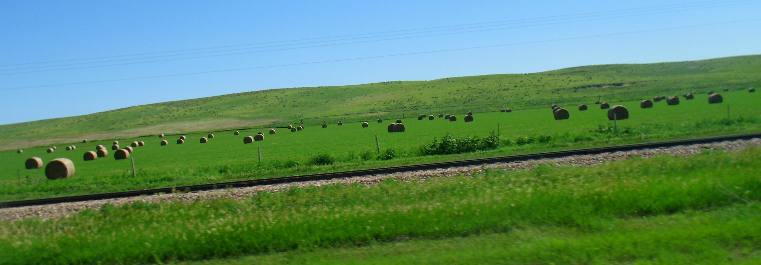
x: 132, y: 161
x: 377, y: 144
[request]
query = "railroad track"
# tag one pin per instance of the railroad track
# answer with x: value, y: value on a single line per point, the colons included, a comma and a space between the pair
x: 374, y: 171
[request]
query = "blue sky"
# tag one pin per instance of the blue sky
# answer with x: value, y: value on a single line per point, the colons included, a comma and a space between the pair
x: 64, y: 58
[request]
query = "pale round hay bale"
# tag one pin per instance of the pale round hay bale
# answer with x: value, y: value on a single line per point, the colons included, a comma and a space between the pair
x: 134, y: 144
x: 183, y: 137
x: 33, y: 163
x: 290, y: 126
x: 324, y: 125
x: 68, y: 148
x: 115, y: 142
x: 101, y: 152
x: 340, y: 123
x: 398, y: 121
x: 468, y: 118
x: 203, y: 140
x: 259, y: 137
x: 604, y: 105
x: 452, y: 118
x: 162, y: 135
x: 59, y: 168
x: 100, y: 146
x: 164, y: 142
x: 421, y: 117
x: 365, y: 124
x: 300, y: 127
x: 431, y: 117
x: 84, y: 141
x: 293, y: 129
x: 689, y: 96
x: 554, y: 107
x: 248, y: 139
x: 646, y: 104
x: 715, y: 98
x: 672, y: 101
x: 210, y: 136
x: 618, y: 112
x: 583, y: 107
x: 122, y: 154
x: 469, y: 113
x: 73, y: 147
x: 115, y: 147
x: 55, y: 147
x: 561, y: 114
x: 140, y: 143
x: 50, y: 150
x: 20, y: 151
x: 273, y: 131
x: 180, y: 141
x: 90, y: 155
x: 236, y: 133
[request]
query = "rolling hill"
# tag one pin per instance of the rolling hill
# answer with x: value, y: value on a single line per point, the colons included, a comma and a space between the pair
x: 278, y: 107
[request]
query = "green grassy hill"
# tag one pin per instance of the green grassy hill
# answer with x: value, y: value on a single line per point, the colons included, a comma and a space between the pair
x: 394, y: 99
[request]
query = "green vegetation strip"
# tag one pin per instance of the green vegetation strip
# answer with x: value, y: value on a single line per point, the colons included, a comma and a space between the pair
x: 584, y: 199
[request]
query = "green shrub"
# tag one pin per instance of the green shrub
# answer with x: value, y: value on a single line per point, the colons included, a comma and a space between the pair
x: 453, y: 145
x: 387, y: 154
x: 366, y: 155
x: 322, y: 159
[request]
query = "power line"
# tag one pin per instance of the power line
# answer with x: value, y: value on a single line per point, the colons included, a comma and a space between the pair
x: 231, y: 50
x: 364, y: 58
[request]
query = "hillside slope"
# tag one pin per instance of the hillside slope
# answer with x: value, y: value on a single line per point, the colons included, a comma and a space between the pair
x: 392, y: 99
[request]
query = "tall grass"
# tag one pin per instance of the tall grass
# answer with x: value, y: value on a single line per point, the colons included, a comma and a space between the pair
x: 334, y: 216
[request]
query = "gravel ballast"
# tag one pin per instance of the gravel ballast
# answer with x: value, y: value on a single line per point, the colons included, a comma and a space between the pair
x: 66, y: 209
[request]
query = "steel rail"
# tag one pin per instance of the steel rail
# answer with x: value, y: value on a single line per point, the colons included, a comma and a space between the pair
x: 374, y: 171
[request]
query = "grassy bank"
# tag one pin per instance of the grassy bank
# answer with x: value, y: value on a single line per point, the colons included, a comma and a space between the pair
x: 587, y: 200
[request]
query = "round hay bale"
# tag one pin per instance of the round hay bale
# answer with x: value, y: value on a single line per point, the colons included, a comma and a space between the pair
x: 203, y: 140
x: 134, y: 144
x: 55, y: 147
x: 441, y: 115
x: 293, y: 129
x: 646, y: 104
x: 140, y: 143
x: 365, y: 124
x: 272, y: 131
x: 162, y: 135
x: 554, y: 107
x: 259, y: 137
x: 59, y: 168
x: 659, y: 98
x: 689, y: 96
x: 446, y: 117
x: 115, y: 147
x: 340, y: 123
x: 90, y: 155
x: 468, y: 118
x: 421, y: 117
x: 100, y: 146
x: 300, y: 127
x: 290, y: 126
x: 618, y: 112
x: 101, y: 152
x: 122, y: 154
x: 561, y: 114
x: 396, y: 127
x: 115, y: 142
x: 715, y: 98
x: 129, y: 149
x: 180, y: 141
x: 751, y: 90
x: 164, y: 142
x: 68, y: 148
x: 469, y: 113
x: 452, y: 118
x: 431, y: 117
x: 324, y: 125
x: 183, y: 137
x: 398, y: 121
x: 210, y: 136
x: 236, y: 133
x: 33, y: 163
x: 672, y: 101
x: 20, y: 151
x: 73, y: 147
x: 248, y: 139
x: 583, y: 107
x: 50, y: 150
x: 604, y: 105
x: 84, y: 141
x: 380, y: 120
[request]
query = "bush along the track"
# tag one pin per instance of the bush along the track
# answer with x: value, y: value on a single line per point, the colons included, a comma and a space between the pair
x: 456, y: 145
x: 582, y: 198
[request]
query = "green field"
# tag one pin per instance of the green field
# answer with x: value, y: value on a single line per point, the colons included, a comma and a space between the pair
x: 351, y: 146
x: 702, y: 209
x: 391, y: 100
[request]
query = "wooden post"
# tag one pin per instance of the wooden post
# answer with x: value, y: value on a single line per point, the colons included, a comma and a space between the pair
x: 132, y: 161
x: 377, y: 144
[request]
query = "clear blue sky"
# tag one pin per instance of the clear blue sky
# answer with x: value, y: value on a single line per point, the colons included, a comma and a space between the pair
x: 64, y: 58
